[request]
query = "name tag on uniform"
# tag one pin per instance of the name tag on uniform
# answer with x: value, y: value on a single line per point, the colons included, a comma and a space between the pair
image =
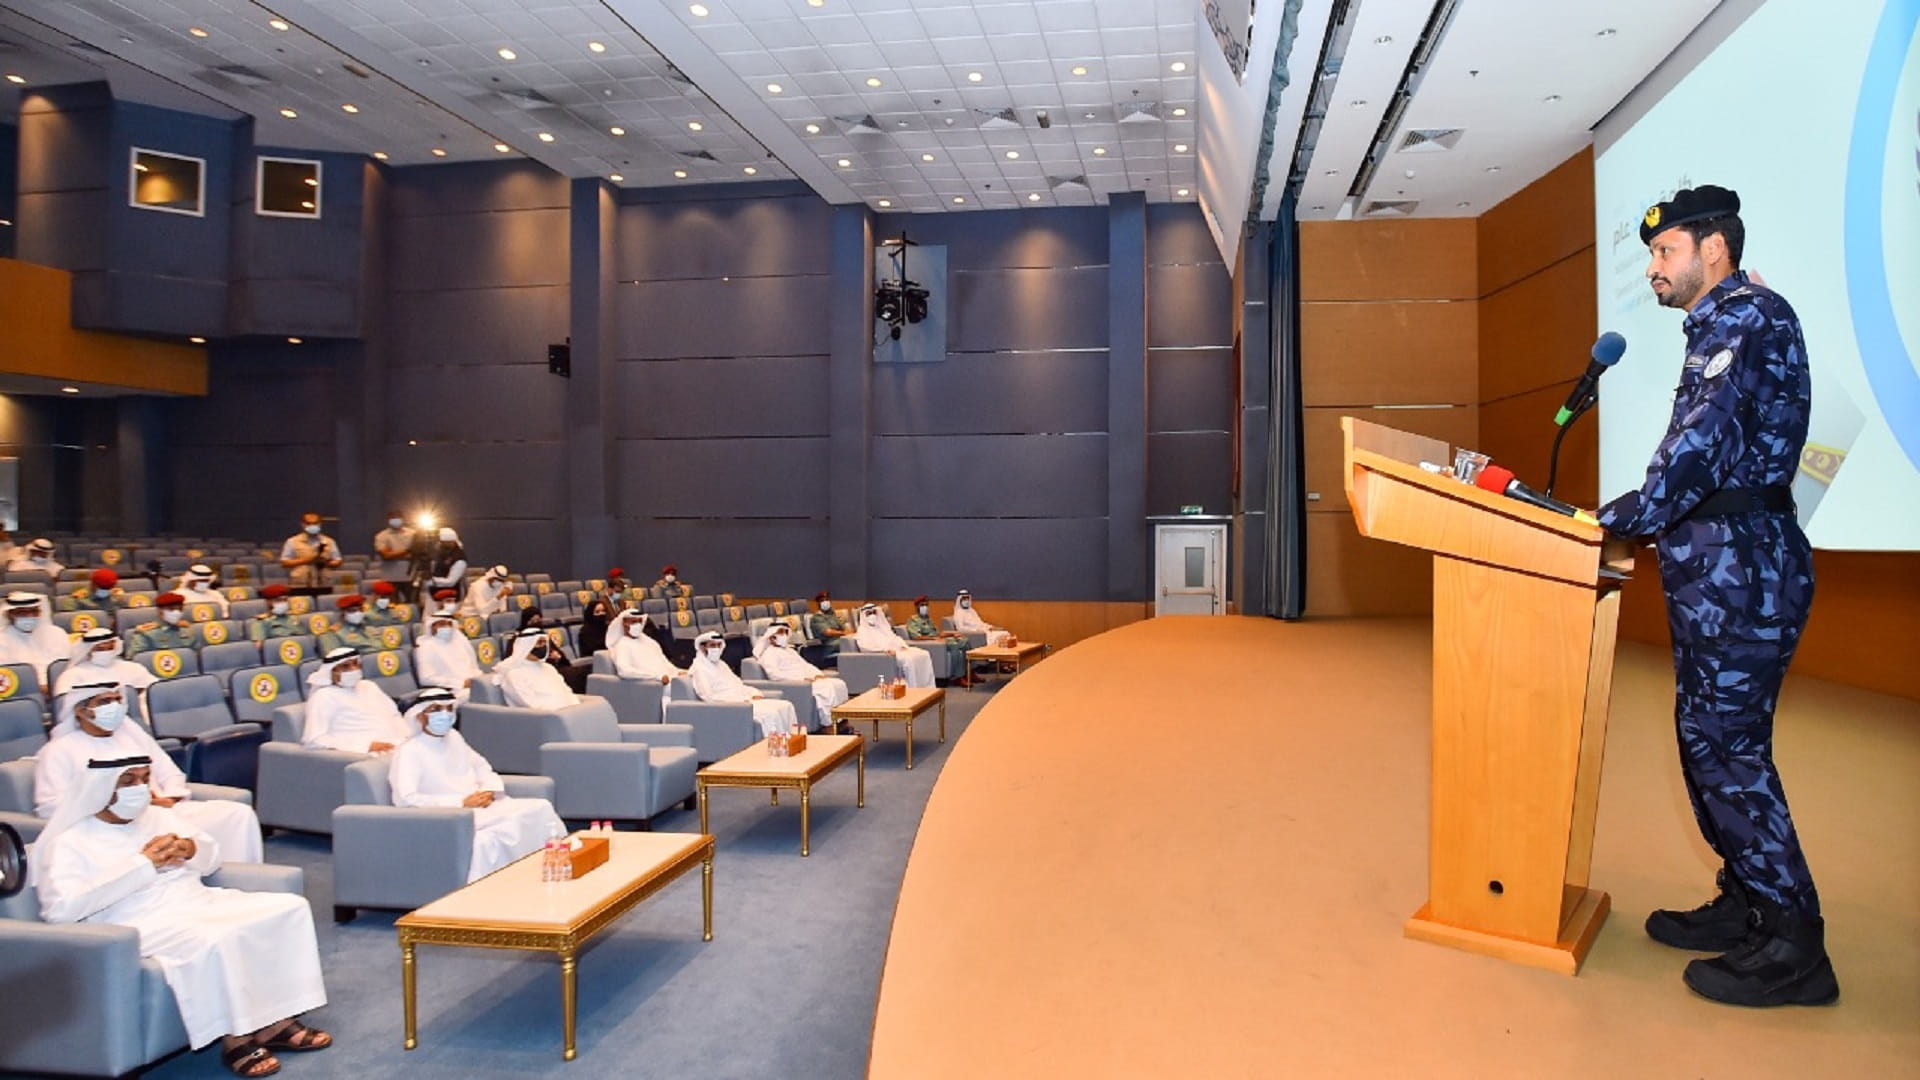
x: 1695, y: 362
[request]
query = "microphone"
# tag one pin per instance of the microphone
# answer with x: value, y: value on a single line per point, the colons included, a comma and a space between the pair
x: 1500, y: 480
x: 1606, y: 353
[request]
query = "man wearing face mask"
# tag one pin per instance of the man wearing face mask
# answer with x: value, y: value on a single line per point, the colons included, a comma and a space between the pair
x: 444, y: 604
x: 173, y: 631
x: 394, y: 545
x: 439, y: 769
x: 636, y: 655
x: 526, y: 678
x: 875, y: 636
x: 37, y: 558
x: 826, y: 625
x: 30, y: 636
x: 488, y: 593
x: 351, y: 631
x: 345, y: 712
x: 196, y: 586
x: 382, y: 612
x: 922, y: 628
x: 93, y: 723
x: 96, y: 657
x: 308, y: 555
x: 241, y: 965
x: 278, y: 621
x: 670, y: 581
x: 100, y: 593
x: 781, y: 661
x: 444, y: 657
x: 713, y: 680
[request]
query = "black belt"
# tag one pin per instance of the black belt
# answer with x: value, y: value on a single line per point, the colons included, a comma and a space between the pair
x: 1730, y: 501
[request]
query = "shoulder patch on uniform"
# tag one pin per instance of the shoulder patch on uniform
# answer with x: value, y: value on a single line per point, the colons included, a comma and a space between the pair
x: 1695, y: 361
x: 1721, y: 361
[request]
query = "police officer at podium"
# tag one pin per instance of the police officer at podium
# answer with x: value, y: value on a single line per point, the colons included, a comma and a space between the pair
x: 1738, y: 576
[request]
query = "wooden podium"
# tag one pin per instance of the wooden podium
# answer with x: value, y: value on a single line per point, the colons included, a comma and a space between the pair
x: 1525, y: 603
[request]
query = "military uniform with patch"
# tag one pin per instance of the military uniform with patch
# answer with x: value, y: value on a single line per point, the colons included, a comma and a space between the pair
x: 821, y: 623
x: 359, y: 638
x: 267, y: 627
x: 85, y: 600
x: 154, y: 636
x: 923, y: 628
x: 383, y: 616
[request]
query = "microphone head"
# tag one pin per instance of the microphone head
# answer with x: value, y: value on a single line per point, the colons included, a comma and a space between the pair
x: 1609, y: 348
x: 1494, y: 478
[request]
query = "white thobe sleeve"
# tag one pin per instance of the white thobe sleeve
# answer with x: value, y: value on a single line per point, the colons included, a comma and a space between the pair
x: 55, y: 769
x: 410, y: 777
x: 166, y: 779
x: 74, y: 886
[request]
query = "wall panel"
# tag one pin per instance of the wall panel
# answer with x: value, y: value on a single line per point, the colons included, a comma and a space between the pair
x: 1029, y: 393
x: 989, y: 476
x: 731, y: 395
x: 1030, y: 558
x: 1398, y: 352
x: 1418, y: 259
x: 722, y: 478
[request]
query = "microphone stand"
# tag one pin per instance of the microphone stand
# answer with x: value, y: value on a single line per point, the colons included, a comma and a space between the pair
x: 1553, y: 460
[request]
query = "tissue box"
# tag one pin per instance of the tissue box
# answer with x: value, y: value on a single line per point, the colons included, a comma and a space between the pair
x: 796, y: 742
x: 591, y: 852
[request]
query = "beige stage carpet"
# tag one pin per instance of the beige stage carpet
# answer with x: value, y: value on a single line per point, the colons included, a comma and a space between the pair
x: 1185, y: 848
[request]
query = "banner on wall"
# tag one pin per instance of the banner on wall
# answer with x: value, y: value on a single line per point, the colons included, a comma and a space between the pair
x: 1232, y: 24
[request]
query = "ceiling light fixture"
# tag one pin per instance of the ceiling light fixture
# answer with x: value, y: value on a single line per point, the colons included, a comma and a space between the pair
x: 750, y: 171
x: 1181, y: 111
x: 545, y: 136
x: 1463, y: 204
x: 505, y: 53
x: 1033, y: 196
x: 1013, y: 155
x: 844, y: 163
x: 695, y: 125
x: 926, y: 157
x: 617, y: 130
x: 379, y: 155
x: 775, y: 88
x: 289, y: 114
x: 813, y: 129
x: 17, y: 80
x: 1183, y: 193
x: 884, y: 203
x: 1079, y: 70
x: 69, y: 389
x: 312, y: 181
x: 198, y: 340
x: 196, y: 31
x: 958, y: 199
x: 1099, y: 151
x: 295, y: 341
x: 502, y: 147
x: 699, y: 10
x: 439, y: 152
x: 873, y: 81
x: 816, y: 3
x: 1177, y: 66
x: 1493, y: 168
x: 1358, y: 103
x: 279, y: 24
x: 1179, y: 148
x: 679, y: 174
x: 306, y: 204
x: 975, y: 76
x: 616, y: 178
x: 1551, y: 98
x: 350, y: 108
x: 595, y: 46
x: 1383, y: 39
x: 1608, y: 32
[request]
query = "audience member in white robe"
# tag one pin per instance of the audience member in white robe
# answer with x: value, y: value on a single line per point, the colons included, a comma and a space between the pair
x: 93, y: 723
x: 968, y: 621
x: 345, y: 712
x: 96, y: 658
x: 437, y: 768
x: 242, y: 966
x: 527, y: 680
x: 30, y: 635
x: 445, y: 602
x: 488, y: 593
x: 197, y: 586
x: 36, y: 558
x: 445, y: 657
x: 713, y: 680
x: 780, y: 660
x: 637, y: 656
x: 875, y: 636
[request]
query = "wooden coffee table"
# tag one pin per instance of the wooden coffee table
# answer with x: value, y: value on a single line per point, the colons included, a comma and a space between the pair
x: 1003, y: 656
x: 873, y: 708
x: 512, y: 908
x: 755, y: 768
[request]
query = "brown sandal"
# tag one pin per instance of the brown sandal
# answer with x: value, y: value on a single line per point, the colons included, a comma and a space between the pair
x: 298, y: 1038
x: 241, y: 1059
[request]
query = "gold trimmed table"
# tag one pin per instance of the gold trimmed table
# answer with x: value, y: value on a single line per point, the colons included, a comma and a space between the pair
x: 753, y: 767
x: 874, y: 708
x: 512, y: 908
x: 1001, y: 656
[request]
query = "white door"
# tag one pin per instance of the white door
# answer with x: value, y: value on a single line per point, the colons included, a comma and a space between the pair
x: 1190, y: 569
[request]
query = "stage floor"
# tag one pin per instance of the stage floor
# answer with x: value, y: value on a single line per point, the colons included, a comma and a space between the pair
x: 1185, y: 848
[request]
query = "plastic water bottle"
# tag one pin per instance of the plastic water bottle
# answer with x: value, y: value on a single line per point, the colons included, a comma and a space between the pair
x: 547, y: 865
x: 563, y: 865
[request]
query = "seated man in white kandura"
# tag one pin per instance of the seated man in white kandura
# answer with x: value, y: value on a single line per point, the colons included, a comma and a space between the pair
x: 345, y: 712
x: 780, y: 660
x: 445, y: 657
x: 968, y: 620
x: 713, y: 680
x: 637, y: 656
x: 527, y: 680
x: 438, y: 768
x: 875, y: 636
x: 242, y: 965
x: 93, y: 723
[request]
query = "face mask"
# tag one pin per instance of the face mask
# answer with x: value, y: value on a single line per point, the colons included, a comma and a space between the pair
x: 28, y: 625
x: 383, y: 603
x: 439, y: 722
x: 279, y: 607
x: 923, y: 609
x: 393, y: 523
x: 966, y: 603
x: 355, y: 618
x: 172, y: 617
x: 826, y: 605
x: 108, y: 715
x: 130, y: 802
x: 444, y: 634
x: 670, y: 579
x: 780, y: 642
x: 103, y: 593
x: 537, y: 654
x: 712, y: 654
x: 350, y: 679
x: 634, y: 630
x: 40, y: 558
x: 104, y: 657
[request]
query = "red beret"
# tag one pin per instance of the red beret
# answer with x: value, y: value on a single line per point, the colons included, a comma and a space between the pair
x: 104, y: 578
x: 169, y: 599
x: 617, y: 572
x: 273, y: 592
x: 819, y: 596
x: 351, y: 600
x: 383, y: 588
x: 921, y: 599
x: 445, y: 594
x: 669, y: 569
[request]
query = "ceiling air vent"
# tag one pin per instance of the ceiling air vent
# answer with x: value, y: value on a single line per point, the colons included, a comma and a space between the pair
x: 355, y: 70
x: 1140, y: 112
x: 1058, y: 182
x: 998, y: 120
x: 242, y: 74
x: 524, y: 98
x: 698, y: 155
x: 859, y: 125
x: 1430, y: 140
x: 1390, y: 208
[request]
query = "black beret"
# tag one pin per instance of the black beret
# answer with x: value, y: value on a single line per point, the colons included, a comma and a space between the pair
x: 1688, y: 205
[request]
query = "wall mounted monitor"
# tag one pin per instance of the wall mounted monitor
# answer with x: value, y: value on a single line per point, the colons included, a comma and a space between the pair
x: 170, y: 183
x: 287, y: 187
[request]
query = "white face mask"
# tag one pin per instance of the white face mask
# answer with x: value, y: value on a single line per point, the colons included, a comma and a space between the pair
x: 104, y: 657
x: 29, y: 624
x: 826, y: 605
x: 922, y: 609
x: 394, y: 523
x: 172, y: 616
x: 103, y: 593
x: 355, y: 618
x: 780, y: 641
x: 383, y: 603
x: 130, y: 802
x: 439, y: 722
x: 444, y: 634
x: 966, y: 603
x: 670, y: 579
x: 312, y: 530
x: 635, y: 630
x: 349, y: 679
x: 279, y: 607
x: 711, y: 654
x: 108, y: 715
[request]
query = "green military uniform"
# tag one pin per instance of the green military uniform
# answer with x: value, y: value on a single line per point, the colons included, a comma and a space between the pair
x: 84, y: 600
x: 922, y: 627
x: 266, y: 627
x: 154, y: 636
x: 821, y: 623
x: 378, y: 616
x: 358, y: 638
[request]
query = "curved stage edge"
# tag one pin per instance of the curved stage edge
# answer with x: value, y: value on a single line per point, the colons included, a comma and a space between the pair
x: 1185, y: 848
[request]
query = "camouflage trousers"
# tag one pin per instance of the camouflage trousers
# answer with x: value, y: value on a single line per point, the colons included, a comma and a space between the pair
x: 1727, y: 682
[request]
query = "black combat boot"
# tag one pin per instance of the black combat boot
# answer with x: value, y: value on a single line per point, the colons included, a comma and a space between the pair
x: 1782, y: 962
x: 1715, y: 926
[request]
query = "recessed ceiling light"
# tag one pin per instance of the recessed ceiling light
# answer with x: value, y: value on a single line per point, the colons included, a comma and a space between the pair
x: 545, y: 136
x: 438, y: 152
x: 1608, y: 32
x: 1086, y: 115
x: 695, y: 125
x: 1099, y: 151
x: 616, y: 178
x: 1551, y: 98
x: 294, y: 341
x: 1358, y: 103
x: 1493, y: 168
x: 1463, y: 204
x: 196, y: 31
x: 926, y: 157
x: 1033, y: 196
x: 1177, y: 66
x: 1316, y: 208
x: 1179, y: 148
x: 884, y: 203
x: 750, y: 171
x: 1383, y: 39
x: 1013, y: 155
x: 813, y: 129
x: 1332, y: 172
x: 198, y: 340
x: 699, y: 10
x: 1181, y: 111
x: 873, y: 80
x: 289, y: 114
x: 278, y: 24
x: 775, y: 88
x: 17, y: 80
x: 1079, y: 70
x: 844, y: 163
x: 616, y: 130
x: 379, y: 155
x: 816, y: 3
x: 1183, y: 193
x: 506, y: 54
x: 958, y: 199
x: 69, y: 389
x: 349, y: 108
x: 595, y: 46
x: 975, y: 76
x: 679, y: 174
x: 502, y: 147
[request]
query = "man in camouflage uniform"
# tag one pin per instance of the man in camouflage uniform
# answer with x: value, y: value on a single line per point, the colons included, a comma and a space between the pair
x: 98, y: 594
x: 276, y: 622
x: 383, y: 613
x: 921, y: 628
x: 173, y: 631
x: 351, y: 631
x: 826, y: 626
x: 1738, y: 575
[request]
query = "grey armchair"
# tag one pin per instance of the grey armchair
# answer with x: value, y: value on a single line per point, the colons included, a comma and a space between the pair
x: 96, y: 1008
x: 600, y: 767
x: 719, y: 728
x: 299, y: 787
x: 976, y: 639
x: 21, y: 732
x: 797, y: 691
x: 634, y: 701
x: 863, y: 670
x: 387, y: 856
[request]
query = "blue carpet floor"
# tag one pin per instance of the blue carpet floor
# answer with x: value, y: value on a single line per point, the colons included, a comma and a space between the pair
x: 786, y: 988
